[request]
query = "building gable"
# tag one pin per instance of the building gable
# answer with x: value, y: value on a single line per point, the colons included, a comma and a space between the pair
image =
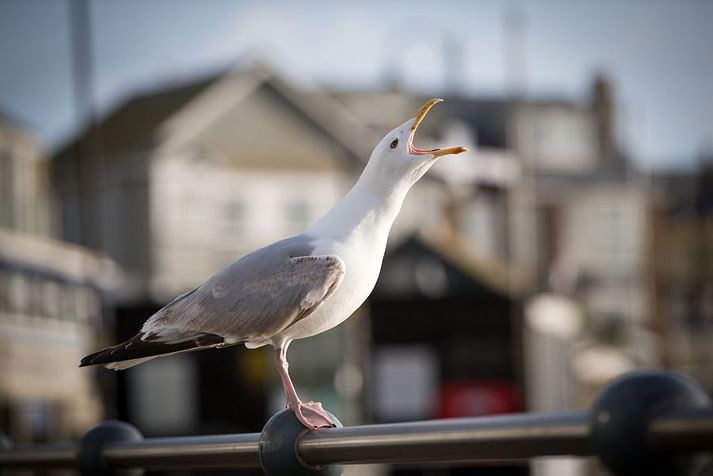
x: 420, y: 268
x: 265, y: 131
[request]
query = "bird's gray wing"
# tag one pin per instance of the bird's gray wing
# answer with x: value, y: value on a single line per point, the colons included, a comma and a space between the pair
x: 250, y: 300
x: 254, y: 298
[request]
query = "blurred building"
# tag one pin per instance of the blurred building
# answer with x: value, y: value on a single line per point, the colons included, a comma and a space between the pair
x: 193, y: 176
x: 462, y: 197
x: 681, y: 268
x: 446, y: 341
x: 445, y: 327
x: 24, y: 186
x: 579, y: 225
x: 176, y: 183
x: 50, y: 304
x: 196, y: 174
x: 550, y: 193
x: 190, y: 178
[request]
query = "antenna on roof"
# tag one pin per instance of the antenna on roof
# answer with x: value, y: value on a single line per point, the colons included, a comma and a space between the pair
x: 515, y: 52
x: 86, y: 227
x: 453, y: 63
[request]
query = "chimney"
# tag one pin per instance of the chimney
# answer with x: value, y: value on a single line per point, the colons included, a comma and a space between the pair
x: 603, y: 107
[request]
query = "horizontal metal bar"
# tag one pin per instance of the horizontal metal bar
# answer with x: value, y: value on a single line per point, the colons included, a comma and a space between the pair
x: 57, y: 455
x: 221, y: 451
x: 486, y: 438
x: 682, y: 431
x: 504, y: 437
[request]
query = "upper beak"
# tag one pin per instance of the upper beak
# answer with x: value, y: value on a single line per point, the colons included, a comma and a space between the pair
x: 435, y: 152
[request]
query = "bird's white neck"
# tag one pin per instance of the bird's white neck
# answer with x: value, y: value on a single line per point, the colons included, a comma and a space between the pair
x: 369, y: 208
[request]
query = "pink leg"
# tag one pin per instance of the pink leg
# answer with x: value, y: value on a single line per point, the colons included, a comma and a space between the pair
x: 310, y: 414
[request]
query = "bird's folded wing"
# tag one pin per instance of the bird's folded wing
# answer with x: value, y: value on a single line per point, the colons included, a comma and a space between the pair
x: 254, y: 298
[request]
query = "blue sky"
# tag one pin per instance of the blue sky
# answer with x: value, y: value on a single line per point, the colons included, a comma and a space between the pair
x: 659, y: 55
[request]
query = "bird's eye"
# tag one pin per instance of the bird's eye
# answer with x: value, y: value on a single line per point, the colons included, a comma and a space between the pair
x: 394, y: 143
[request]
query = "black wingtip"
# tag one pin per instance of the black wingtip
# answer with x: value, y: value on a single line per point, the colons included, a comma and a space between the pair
x: 137, y: 348
x: 89, y: 359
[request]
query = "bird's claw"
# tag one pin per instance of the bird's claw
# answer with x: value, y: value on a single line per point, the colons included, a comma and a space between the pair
x: 312, y: 415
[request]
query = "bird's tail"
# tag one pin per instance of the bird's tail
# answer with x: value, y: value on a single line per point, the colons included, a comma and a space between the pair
x: 142, y: 348
x: 125, y: 364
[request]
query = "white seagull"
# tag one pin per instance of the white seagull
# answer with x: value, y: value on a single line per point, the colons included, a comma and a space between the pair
x: 297, y: 287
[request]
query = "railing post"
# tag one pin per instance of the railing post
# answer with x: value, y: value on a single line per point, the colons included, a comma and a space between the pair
x: 278, y: 448
x: 621, y: 416
x: 90, y: 460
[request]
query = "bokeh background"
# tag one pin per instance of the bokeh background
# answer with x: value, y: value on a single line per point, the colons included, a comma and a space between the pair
x: 144, y: 145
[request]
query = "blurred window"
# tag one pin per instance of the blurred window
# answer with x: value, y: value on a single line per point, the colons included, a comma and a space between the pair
x: 480, y: 224
x: 617, y: 242
x: 93, y: 306
x: 612, y: 220
x: 406, y: 382
x: 6, y: 188
x: 561, y: 140
x: 67, y: 303
x: 162, y: 395
x: 88, y: 306
x: 4, y: 291
x: 81, y: 305
x: 37, y: 297
x: 50, y: 298
x: 190, y: 206
x: 297, y: 216
x: 23, y: 196
x: 35, y: 416
x: 235, y: 214
x: 19, y: 293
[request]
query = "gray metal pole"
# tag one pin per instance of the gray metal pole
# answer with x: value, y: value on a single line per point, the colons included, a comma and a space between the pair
x: 464, y: 439
x: 498, y: 437
x: 682, y: 431
x: 505, y: 437
x: 221, y: 451
x: 59, y: 455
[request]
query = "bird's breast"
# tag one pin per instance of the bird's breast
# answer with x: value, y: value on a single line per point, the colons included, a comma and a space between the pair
x: 362, y: 264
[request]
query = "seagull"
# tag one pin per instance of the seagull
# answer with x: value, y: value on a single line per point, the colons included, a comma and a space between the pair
x: 297, y: 287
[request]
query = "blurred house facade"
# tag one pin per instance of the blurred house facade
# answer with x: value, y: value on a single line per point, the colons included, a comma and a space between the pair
x: 680, y: 269
x: 50, y: 304
x: 579, y: 225
x: 445, y: 338
x: 197, y: 174
x: 193, y: 176
x: 550, y: 193
x: 445, y: 328
x: 24, y: 195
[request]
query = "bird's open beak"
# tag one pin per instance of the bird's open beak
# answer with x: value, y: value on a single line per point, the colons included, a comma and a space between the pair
x: 435, y: 152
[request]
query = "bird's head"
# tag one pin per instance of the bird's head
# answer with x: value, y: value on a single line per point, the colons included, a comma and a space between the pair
x: 396, y: 158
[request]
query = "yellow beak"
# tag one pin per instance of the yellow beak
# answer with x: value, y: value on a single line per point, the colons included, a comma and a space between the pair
x: 435, y: 152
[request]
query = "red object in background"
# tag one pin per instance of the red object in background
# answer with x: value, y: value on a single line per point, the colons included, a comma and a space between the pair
x: 461, y: 398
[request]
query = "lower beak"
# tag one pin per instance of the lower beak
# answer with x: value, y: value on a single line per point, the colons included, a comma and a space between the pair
x: 434, y: 152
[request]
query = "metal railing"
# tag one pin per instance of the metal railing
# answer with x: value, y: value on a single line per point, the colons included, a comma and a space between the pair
x: 644, y: 423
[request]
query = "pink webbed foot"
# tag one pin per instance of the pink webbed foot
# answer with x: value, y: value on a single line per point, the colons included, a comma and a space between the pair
x: 312, y: 415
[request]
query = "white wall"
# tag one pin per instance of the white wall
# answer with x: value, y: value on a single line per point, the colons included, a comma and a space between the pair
x: 605, y: 231
x: 24, y: 188
x: 205, y: 215
x: 557, y: 139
